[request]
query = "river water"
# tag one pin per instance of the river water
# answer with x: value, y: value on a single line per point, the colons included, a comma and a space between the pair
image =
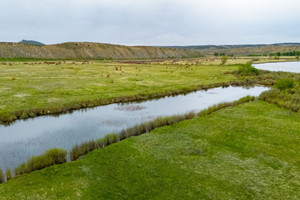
x: 280, y: 66
x: 26, y: 138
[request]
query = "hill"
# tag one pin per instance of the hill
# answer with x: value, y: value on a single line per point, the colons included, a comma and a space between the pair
x: 75, y: 50
x: 243, y: 49
x: 32, y: 42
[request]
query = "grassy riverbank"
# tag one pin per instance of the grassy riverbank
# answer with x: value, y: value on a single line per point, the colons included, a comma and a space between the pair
x: 36, y: 88
x: 234, y: 153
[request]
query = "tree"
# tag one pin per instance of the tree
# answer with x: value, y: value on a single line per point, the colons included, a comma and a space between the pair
x: 224, y: 60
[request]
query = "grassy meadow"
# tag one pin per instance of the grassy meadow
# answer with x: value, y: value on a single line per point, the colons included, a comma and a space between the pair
x: 234, y: 153
x: 249, y: 151
x: 38, y: 85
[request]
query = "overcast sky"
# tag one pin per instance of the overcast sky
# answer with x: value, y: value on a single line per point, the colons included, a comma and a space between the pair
x: 151, y: 22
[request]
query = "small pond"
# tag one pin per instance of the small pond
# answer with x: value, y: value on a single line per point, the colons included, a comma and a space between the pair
x: 26, y: 138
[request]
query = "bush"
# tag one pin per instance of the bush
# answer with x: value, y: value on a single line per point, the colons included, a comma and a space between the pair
x: 247, y: 70
x: 285, y: 84
x: 50, y: 157
x: 82, y: 149
x: 224, y: 60
x: 111, y: 138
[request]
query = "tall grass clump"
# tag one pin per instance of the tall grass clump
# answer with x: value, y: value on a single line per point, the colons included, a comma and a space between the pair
x: 86, y: 147
x: 21, y: 169
x: 247, y: 70
x: 8, y: 174
x: 284, y: 84
x: 1, y: 177
x: 82, y: 149
x: 50, y: 157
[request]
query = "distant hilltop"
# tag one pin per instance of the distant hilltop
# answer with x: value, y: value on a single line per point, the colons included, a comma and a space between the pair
x: 215, y: 47
x: 89, y: 50
x: 31, y: 42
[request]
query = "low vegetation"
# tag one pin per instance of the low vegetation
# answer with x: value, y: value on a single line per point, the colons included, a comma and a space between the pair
x: 50, y: 157
x: 247, y: 70
x: 285, y: 84
x: 285, y: 93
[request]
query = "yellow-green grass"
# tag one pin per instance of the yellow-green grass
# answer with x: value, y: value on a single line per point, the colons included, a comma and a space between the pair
x: 37, y: 85
x: 250, y: 151
x: 216, y: 60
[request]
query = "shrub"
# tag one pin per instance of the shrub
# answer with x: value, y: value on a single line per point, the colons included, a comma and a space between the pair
x: 74, y: 154
x: 111, y: 138
x: 224, y: 60
x: 247, y: 70
x: 285, y: 84
x: 50, y: 157
x: 82, y: 149
x: 21, y: 169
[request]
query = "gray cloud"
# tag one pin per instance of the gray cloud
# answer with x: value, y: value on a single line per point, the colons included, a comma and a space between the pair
x: 151, y: 22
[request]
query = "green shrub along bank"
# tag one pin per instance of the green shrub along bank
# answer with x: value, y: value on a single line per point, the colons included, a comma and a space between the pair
x: 247, y: 70
x: 58, y: 156
x: 285, y: 93
x: 50, y: 157
x: 285, y: 84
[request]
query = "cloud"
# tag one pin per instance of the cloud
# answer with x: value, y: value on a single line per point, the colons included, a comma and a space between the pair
x: 151, y: 22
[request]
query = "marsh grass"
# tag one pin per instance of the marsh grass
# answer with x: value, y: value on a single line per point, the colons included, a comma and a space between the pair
x: 50, y: 157
x: 2, y: 178
x: 8, y: 174
x: 247, y: 70
x: 285, y: 84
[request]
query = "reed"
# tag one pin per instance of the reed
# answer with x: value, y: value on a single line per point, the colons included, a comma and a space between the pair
x: 2, y: 178
x: 8, y: 174
x: 50, y: 157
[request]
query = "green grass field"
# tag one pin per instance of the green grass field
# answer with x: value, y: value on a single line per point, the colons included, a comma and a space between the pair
x: 250, y: 151
x: 26, y: 86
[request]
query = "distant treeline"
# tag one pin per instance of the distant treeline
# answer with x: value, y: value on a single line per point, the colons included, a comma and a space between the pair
x: 222, y: 54
x: 289, y: 53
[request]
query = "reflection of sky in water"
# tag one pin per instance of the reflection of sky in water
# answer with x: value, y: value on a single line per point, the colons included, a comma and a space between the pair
x: 24, y: 139
x: 280, y: 66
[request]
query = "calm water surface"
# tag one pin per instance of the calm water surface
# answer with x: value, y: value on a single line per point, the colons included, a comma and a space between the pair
x: 26, y: 138
x: 280, y: 66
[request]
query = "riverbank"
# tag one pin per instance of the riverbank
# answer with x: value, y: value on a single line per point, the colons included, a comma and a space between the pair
x: 40, y: 88
x: 236, y: 152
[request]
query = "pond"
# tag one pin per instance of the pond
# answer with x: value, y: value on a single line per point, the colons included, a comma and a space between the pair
x: 293, y: 67
x: 26, y: 138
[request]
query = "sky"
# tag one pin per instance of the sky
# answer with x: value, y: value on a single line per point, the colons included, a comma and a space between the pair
x: 151, y: 22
